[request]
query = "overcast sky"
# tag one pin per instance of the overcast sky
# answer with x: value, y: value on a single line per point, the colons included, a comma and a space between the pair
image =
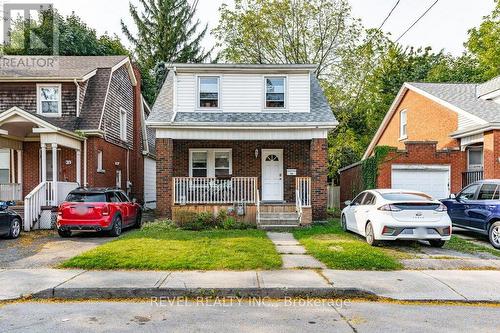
x: 444, y: 27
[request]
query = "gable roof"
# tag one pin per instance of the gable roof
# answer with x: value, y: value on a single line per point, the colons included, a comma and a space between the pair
x: 458, y: 97
x: 488, y: 87
x: 320, y: 114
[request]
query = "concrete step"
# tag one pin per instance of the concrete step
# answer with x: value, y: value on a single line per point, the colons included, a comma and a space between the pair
x: 277, y: 226
x: 278, y: 216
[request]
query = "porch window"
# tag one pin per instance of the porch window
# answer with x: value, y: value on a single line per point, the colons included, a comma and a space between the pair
x: 210, y: 162
x: 4, y: 166
x: 275, y: 92
x: 403, y: 125
x: 475, y: 158
x: 49, y: 99
x: 123, y: 124
x: 208, y: 88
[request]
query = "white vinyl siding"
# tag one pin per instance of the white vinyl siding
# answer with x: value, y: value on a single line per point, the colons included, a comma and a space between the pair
x: 243, y: 92
x: 466, y: 121
x: 149, y: 183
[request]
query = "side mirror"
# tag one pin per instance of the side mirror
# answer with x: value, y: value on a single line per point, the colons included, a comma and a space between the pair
x: 453, y: 196
x: 348, y: 202
x: 134, y: 200
x: 11, y: 203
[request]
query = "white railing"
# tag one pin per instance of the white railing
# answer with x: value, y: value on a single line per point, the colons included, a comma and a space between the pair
x: 303, y: 190
x: 63, y: 188
x: 298, y: 205
x: 33, y: 204
x: 201, y: 190
x: 10, y: 192
x: 257, y: 209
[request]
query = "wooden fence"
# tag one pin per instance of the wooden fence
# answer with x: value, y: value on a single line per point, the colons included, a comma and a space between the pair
x: 333, y: 196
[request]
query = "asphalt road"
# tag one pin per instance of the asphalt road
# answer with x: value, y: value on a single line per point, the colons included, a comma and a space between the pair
x: 248, y: 316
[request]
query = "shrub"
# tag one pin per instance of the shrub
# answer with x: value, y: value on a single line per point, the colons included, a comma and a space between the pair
x: 229, y: 223
x: 189, y: 220
x: 158, y: 226
x: 186, y: 219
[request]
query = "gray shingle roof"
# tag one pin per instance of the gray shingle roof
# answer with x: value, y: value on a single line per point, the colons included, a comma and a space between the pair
x: 488, y: 86
x: 69, y: 67
x: 320, y: 112
x: 463, y: 96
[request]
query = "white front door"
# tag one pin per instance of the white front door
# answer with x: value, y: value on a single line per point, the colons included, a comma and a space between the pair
x: 272, y: 174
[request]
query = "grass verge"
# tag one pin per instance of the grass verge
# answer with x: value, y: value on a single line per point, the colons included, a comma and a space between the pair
x: 462, y: 245
x: 160, y: 249
x: 341, y: 250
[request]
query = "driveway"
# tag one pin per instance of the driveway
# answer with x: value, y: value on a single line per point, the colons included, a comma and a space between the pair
x: 44, y: 248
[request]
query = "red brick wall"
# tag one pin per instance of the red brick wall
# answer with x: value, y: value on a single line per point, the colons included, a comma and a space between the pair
x: 351, y: 183
x: 111, y: 154
x: 164, y: 174
x: 31, y: 166
x: 492, y: 155
x: 319, y: 172
x: 136, y: 157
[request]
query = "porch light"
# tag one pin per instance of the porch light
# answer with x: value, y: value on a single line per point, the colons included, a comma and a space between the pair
x: 256, y: 152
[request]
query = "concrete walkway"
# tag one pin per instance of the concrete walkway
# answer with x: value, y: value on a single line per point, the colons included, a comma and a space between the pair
x: 400, y: 285
x: 293, y: 254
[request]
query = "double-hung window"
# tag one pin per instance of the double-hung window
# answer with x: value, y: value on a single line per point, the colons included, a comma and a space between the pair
x: 275, y: 92
x: 208, y: 92
x: 49, y: 100
x: 123, y: 124
x: 99, y: 162
x: 403, y: 119
x: 210, y: 162
x: 4, y: 166
x: 475, y: 158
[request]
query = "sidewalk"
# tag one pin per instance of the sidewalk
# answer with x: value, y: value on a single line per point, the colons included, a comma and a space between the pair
x: 478, y: 286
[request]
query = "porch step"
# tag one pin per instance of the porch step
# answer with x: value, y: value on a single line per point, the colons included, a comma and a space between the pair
x: 273, y: 220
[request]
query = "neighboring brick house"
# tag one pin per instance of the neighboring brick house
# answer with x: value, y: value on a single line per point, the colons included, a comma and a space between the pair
x: 246, y: 137
x: 445, y: 136
x: 79, y: 122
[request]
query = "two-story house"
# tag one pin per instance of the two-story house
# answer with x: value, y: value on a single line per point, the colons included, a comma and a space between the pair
x: 80, y: 122
x: 248, y: 138
x: 445, y: 136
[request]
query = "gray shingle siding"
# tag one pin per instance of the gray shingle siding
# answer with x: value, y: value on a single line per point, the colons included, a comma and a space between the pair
x: 95, y: 94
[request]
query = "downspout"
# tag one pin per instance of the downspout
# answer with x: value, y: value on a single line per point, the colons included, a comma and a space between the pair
x: 77, y: 98
x: 85, y: 162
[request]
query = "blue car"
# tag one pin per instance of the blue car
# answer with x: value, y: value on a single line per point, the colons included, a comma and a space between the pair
x: 477, y: 208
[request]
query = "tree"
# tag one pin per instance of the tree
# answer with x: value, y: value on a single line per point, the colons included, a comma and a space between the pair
x: 484, y: 43
x: 287, y: 31
x: 74, y: 37
x: 165, y: 34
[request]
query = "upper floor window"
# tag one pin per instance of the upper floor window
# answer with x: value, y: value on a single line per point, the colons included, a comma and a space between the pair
x: 275, y: 92
x: 123, y: 124
x: 475, y: 158
x: 49, y: 99
x: 403, y: 125
x: 208, y: 91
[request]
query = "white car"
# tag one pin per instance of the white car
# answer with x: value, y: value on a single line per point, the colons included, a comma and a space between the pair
x: 384, y: 214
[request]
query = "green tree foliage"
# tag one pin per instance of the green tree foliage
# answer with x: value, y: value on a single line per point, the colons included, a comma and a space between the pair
x: 166, y: 33
x: 484, y: 43
x: 75, y: 37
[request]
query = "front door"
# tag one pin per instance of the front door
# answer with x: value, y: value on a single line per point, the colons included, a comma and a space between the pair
x: 272, y: 174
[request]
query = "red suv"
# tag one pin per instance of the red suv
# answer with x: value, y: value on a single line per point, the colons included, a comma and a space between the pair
x: 97, y: 209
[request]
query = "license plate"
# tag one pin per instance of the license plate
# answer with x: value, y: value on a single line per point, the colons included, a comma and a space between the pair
x: 81, y: 210
x: 420, y: 232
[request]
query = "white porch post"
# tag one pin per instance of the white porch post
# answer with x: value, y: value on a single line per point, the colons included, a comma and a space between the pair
x: 44, y: 163
x: 19, y: 166
x: 12, y: 165
x: 54, y: 174
x: 78, y: 167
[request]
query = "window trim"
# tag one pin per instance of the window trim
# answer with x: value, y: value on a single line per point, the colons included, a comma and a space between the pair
x: 210, y: 160
x: 478, y: 167
x: 100, y: 161
x: 285, y: 92
x: 402, y: 135
x: 39, y: 100
x: 123, y: 131
x: 198, y: 85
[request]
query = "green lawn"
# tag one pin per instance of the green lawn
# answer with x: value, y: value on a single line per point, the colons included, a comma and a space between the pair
x: 157, y: 249
x: 340, y: 250
x: 462, y: 245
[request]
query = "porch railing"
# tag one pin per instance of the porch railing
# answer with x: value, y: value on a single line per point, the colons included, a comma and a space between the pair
x: 33, y: 204
x: 63, y: 188
x: 11, y: 192
x: 303, y: 190
x: 201, y: 190
x: 470, y: 177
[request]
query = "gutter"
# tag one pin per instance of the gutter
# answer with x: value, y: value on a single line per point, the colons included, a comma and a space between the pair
x: 200, y: 125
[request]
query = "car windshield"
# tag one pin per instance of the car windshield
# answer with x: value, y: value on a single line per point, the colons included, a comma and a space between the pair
x: 405, y: 196
x: 86, y: 197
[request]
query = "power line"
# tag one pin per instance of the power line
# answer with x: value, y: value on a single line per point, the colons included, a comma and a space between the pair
x: 389, y: 15
x: 416, y: 21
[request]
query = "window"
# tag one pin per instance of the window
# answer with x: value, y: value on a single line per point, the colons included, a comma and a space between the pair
x: 272, y: 158
x: 49, y: 99
x: 369, y: 199
x: 275, y: 92
x: 488, y: 192
x: 113, y: 197
x: 475, y: 158
x: 210, y: 162
x: 86, y: 197
x: 405, y: 196
x: 122, y: 196
x: 99, y: 161
x: 4, y: 166
x: 118, y: 179
x: 208, y: 88
x: 403, y: 125
x: 123, y: 124
x: 469, y: 192
x: 358, y: 200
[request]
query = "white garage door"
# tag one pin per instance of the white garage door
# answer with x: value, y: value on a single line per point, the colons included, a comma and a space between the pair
x: 431, y: 179
x: 150, y: 182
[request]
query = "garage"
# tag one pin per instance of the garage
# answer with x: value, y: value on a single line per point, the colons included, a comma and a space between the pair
x: 431, y: 179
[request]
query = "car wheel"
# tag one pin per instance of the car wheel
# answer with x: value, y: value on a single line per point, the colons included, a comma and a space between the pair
x: 15, y: 228
x: 370, y: 235
x: 138, y: 221
x: 436, y: 242
x: 494, y: 235
x: 116, y: 229
x: 343, y: 223
x: 64, y: 233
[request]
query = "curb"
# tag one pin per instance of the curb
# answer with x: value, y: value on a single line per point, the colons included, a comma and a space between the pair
x: 124, y: 293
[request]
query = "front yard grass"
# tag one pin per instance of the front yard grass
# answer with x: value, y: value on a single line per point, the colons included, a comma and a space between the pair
x: 172, y: 249
x: 463, y: 245
x: 338, y: 249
